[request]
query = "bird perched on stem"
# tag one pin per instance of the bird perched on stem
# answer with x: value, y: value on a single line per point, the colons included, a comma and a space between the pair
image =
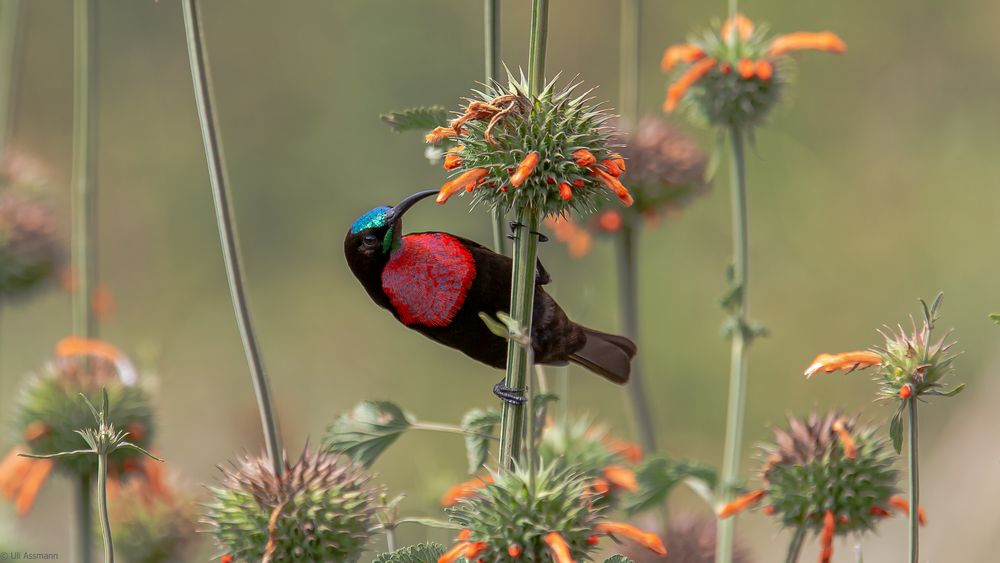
x: 437, y: 284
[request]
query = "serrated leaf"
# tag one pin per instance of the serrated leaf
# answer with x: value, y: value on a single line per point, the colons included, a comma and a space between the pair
x: 416, y: 119
x: 657, y: 476
x: 618, y: 559
x: 366, y: 431
x: 420, y: 553
x: 896, y: 430
x: 477, y: 447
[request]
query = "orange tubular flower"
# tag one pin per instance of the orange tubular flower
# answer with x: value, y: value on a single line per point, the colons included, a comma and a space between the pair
x: 464, y: 489
x: 905, y: 391
x: 764, y: 69
x: 848, y: 361
x: 850, y: 448
x: 558, y: 547
x: 648, y: 540
x: 73, y: 346
x: 628, y: 450
x: 746, y: 68
x: 565, y: 192
x: 465, y: 180
x: 524, y: 170
x: 740, y: 24
x: 21, y: 478
x: 685, y: 53
x: 514, y: 550
x: 901, y: 504
x: 879, y: 511
x: 803, y: 40
x: 621, y: 477
x: 452, y: 159
x: 439, y: 134
x: 614, y: 185
x: 826, y: 537
x: 680, y: 87
x: 742, y: 503
x: 584, y: 158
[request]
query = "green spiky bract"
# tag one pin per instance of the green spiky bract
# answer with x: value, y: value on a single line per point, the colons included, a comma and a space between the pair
x: 578, y: 444
x: 724, y: 98
x: 420, y: 553
x: 554, y: 124
x: 323, y: 508
x: 807, y: 474
x: 514, y: 510
x: 51, y: 401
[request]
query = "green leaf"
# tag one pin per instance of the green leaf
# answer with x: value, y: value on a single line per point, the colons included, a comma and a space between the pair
x: 950, y: 393
x: 618, y: 559
x: 416, y: 119
x: 366, y: 431
x: 477, y: 448
x: 420, y: 553
x: 995, y: 317
x: 429, y: 522
x: 896, y: 430
x: 495, y: 326
x: 658, y: 476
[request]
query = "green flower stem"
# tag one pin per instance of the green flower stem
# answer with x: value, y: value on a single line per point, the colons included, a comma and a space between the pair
x: 491, y: 40
x: 795, y: 547
x: 914, y: 482
x: 522, y: 302
x: 9, y: 12
x: 227, y: 228
x: 84, y: 520
x: 390, y: 539
x: 536, y: 45
x: 449, y: 428
x: 628, y: 57
x: 628, y: 288
x: 84, y: 164
x: 102, y: 507
x: 738, y: 367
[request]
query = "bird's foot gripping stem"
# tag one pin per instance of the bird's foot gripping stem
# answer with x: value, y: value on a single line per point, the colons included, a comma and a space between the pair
x: 510, y: 395
x: 516, y: 225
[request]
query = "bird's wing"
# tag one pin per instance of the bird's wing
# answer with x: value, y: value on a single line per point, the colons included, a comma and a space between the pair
x: 542, y: 276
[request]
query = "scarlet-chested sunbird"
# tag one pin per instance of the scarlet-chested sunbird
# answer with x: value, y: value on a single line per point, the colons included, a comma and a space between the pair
x: 437, y: 284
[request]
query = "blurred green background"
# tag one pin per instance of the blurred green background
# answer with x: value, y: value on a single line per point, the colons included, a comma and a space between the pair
x: 874, y: 184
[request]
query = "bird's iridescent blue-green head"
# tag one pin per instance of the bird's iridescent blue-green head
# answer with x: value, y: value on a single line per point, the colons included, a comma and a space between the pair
x: 379, y: 230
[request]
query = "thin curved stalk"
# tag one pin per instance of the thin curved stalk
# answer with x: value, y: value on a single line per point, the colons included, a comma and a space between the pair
x: 227, y: 229
x: 10, y: 11
x: 102, y: 508
x: 491, y: 40
x: 628, y: 288
x: 740, y: 343
x: 795, y: 547
x: 914, y: 536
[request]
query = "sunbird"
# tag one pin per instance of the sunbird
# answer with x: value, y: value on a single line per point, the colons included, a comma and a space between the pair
x: 437, y: 283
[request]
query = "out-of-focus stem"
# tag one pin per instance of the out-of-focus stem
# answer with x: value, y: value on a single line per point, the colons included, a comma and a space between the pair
x: 628, y: 58
x: 795, y: 547
x: 628, y: 287
x: 84, y: 171
x: 491, y: 39
x: 390, y: 538
x: 102, y: 507
x: 10, y: 11
x: 227, y: 228
x: 83, y: 514
x: 738, y: 362
x: 914, y: 536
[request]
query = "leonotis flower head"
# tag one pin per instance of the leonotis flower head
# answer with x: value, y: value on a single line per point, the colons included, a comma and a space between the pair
x: 551, y: 517
x: 733, y: 76
x: 827, y: 474
x: 551, y: 152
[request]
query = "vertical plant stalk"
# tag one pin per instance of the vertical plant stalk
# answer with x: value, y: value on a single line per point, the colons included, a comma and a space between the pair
x: 795, y: 547
x: 102, y: 507
x: 491, y: 39
x: 628, y: 58
x: 83, y: 206
x: 390, y: 538
x: 914, y: 536
x: 525, y: 253
x: 628, y: 288
x: 10, y: 11
x: 738, y: 367
x: 227, y: 228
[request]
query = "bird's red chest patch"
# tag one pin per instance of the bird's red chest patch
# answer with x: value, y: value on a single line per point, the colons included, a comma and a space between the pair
x: 428, y: 277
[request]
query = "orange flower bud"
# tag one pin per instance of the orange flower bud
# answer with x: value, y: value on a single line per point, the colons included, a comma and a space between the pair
x: 524, y: 170
x: 463, y: 490
x: 878, y: 511
x: 848, y: 361
x: 685, y: 53
x: 466, y: 179
x: 826, y: 537
x: 746, y: 68
x: 764, y: 70
x: 452, y: 159
x: 610, y: 221
x: 850, y: 448
x: 558, y: 547
x: 465, y: 534
x: 621, y: 477
x: 648, y: 540
x: 593, y: 540
x: 614, y: 185
x: 823, y: 41
x: 742, y: 503
x: 903, y: 505
x: 439, y: 134
x: 36, y: 430
x: 738, y: 23
x: 565, y: 192
x: 584, y: 158
x: 688, y: 79
x: 905, y: 391
x: 514, y: 550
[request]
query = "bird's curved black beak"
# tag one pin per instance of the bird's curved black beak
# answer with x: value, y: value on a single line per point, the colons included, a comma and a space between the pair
x: 402, y: 207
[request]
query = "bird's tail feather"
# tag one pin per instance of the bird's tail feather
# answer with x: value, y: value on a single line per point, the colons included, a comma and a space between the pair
x: 607, y: 355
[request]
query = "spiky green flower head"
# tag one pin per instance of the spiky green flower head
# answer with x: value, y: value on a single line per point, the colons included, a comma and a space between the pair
x: 321, y: 509
x: 551, y: 153
x: 49, y: 412
x: 733, y: 75
x: 28, y: 247
x: 822, y: 472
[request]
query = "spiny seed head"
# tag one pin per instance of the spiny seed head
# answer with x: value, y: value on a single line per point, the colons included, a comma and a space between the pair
x: 50, y: 412
x: 828, y: 464
x: 321, y: 509
x: 912, y: 362
x: 585, y: 447
x: 513, y: 512
x: 691, y: 540
x: 28, y: 248
x: 551, y: 152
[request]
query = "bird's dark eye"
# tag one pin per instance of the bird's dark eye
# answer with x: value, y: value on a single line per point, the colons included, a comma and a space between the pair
x: 371, y: 240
